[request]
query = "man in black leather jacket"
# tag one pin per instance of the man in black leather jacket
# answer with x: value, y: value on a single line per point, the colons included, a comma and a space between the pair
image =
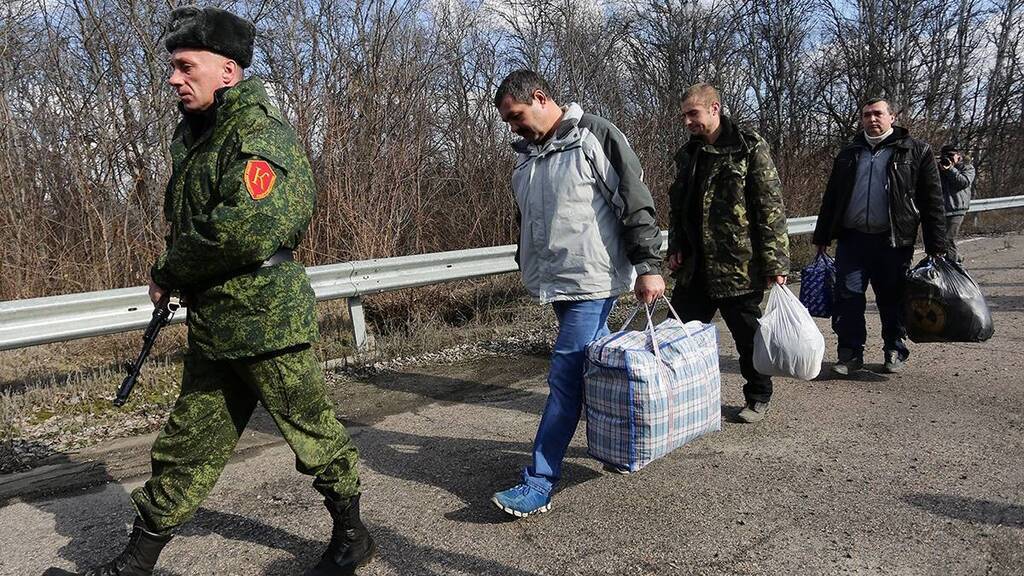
x: 883, y: 184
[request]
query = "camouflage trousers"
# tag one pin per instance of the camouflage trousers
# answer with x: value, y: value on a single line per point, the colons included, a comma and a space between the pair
x: 216, y: 401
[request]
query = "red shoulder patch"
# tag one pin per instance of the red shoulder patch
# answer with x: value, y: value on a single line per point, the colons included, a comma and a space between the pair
x: 259, y: 178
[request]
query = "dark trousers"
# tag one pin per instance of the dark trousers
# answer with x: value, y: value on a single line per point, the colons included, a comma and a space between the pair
x: 862, y: 259
x: 952, y: 231
x: 740, y: 314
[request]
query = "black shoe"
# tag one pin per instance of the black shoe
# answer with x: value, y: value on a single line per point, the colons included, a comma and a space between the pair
x: 848, y: 362
x: 351, y: 545
x: 139, y: 557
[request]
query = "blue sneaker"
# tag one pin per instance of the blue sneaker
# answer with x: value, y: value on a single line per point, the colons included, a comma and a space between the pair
x: 522, y: 500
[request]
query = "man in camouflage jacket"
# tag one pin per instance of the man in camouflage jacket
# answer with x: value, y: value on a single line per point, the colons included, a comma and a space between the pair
x: 727, y: 231
x: 240, y: 197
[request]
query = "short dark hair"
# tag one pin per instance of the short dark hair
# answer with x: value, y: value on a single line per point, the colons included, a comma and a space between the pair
x: 876, y: 100
x: 520, y: 85
x: 703, y: 93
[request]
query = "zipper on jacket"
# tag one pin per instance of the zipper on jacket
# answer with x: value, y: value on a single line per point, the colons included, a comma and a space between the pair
x: 699, y: 235
x: 888, y: 194
x: 871, y: 175
x: 892, y: 223
x: 541, y: 289
x: 529, y: 187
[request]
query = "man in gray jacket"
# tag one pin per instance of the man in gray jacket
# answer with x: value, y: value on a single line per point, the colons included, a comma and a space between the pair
x: 587, y: 233
x: 957, y: 176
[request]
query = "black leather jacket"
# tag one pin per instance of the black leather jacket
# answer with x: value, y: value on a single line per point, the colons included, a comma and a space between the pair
x: 915, y: 193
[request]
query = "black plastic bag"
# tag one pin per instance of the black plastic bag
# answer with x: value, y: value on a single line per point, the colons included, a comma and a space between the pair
x: 944, y: 304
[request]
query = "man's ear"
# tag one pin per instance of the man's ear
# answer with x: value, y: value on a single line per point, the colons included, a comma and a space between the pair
x: 229, y: 71
x: 540, y: 97
x: 716, y: 107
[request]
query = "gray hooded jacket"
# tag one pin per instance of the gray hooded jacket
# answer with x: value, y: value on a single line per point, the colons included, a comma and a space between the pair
x: 957, y: 185
x: 587, y: 219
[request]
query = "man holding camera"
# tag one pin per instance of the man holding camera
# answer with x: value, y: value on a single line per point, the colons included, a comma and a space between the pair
x: 957, y: 176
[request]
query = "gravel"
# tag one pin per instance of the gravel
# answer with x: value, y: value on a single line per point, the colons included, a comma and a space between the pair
x: 63, y: 433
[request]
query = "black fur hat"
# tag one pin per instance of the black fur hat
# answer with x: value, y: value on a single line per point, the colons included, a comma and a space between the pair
x: 211, y: 29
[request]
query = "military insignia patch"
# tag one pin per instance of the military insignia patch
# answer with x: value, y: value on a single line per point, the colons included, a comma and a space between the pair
x: 259, y: 178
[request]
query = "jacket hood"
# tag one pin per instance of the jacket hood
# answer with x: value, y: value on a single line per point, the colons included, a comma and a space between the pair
x: 565, y: 133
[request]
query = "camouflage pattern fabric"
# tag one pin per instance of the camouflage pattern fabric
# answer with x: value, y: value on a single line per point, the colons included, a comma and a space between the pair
x: 237, y: 193
x: 743, y: 238
x: 217, y: 398
x: 241, y: 189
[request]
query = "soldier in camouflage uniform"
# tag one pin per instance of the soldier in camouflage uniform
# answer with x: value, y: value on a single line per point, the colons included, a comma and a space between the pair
x: 240, y: 197
x: 727, y: 231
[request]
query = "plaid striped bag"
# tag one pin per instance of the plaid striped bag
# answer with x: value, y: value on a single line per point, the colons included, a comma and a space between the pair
x: 649, y: 392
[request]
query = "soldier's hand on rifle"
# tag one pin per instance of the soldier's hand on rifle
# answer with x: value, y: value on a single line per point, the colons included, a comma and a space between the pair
x: 164, y: 307
x: 156, y: 293
x: 675, y: 260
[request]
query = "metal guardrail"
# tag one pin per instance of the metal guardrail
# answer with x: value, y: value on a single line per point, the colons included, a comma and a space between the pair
x: 70, y: 316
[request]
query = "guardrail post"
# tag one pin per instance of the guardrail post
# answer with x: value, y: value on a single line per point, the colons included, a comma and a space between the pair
x: 355, y: 311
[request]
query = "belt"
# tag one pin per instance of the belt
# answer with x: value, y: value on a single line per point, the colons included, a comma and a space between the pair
x: 282, y: 255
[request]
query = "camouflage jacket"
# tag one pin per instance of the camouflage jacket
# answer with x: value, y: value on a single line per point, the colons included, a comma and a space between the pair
x: 240, y: 190
x: 743, y: 236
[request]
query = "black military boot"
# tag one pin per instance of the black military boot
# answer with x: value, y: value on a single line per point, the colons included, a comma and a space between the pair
x: 351, y: 545
x: 138, y: 558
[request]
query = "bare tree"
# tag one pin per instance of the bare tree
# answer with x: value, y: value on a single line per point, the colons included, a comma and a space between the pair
x: 392, y: 101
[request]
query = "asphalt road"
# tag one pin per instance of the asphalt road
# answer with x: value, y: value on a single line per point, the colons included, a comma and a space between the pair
x: 917, y: 473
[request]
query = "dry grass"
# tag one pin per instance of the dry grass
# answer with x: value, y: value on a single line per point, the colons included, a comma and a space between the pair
x: 66, y: 388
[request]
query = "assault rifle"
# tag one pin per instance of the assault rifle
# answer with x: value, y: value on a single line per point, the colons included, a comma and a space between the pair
x: 162, y: 314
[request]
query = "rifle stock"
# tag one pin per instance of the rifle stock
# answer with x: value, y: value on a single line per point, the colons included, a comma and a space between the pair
x: 162, y: 314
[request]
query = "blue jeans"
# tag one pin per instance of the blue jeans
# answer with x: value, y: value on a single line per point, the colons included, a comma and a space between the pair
x: 579, y: 323
x: 862, y: 258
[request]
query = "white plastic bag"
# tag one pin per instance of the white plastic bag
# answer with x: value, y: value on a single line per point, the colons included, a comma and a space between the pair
x: 787, y: 343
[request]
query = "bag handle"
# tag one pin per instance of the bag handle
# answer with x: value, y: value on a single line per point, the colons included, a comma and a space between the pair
x: 649, y: 329
x: 648, y: 309
x: 654, y: 307
x: 631, y: 316
x: 776, y: 294
x: 652, y: 332
x: 824, y: 256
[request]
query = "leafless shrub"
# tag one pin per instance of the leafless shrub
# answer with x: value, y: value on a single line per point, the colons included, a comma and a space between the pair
x: 392, y: 101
